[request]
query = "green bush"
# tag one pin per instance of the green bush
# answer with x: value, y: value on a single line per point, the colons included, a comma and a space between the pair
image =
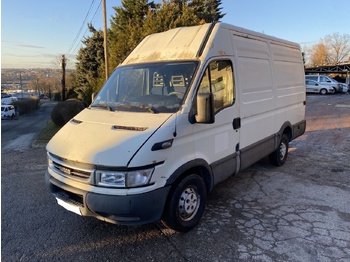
x: 26, y: 105
x: 65, y: 111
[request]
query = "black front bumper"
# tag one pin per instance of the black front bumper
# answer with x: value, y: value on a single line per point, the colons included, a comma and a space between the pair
x: 124, y: 210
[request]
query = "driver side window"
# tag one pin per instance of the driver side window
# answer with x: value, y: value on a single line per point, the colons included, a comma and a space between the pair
x: 218, y: 79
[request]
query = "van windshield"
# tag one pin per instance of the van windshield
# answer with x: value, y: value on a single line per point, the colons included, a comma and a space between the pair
x: 152, y: 87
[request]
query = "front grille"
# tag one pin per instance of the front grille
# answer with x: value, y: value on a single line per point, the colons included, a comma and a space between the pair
x: 69, y: 171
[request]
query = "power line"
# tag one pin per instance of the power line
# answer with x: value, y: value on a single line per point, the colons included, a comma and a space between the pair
x: 81, y: 28
x: 78, y: 44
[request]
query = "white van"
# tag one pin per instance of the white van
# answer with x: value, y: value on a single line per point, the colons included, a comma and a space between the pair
x: 187, y: 109
x: 7, y: 111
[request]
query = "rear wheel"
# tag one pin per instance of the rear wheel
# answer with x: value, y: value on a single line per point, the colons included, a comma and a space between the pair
x: 279, y: 156
x: 185, y: 204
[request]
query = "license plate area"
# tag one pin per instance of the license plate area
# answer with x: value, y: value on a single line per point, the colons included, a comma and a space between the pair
x: 73, y: 208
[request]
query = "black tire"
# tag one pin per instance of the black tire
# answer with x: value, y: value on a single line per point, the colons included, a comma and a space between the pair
x: 279, y: 156
x: 323, y: 91
x: 185, y: 204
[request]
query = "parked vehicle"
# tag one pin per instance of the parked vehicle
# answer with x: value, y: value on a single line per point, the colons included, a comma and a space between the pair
x: 344, y: 87
x: 8, y: 100
x: 7, y: 111
x: 187, y: 109
x: 316, y: 87
x: 327, y: 81
x: 3, y: 95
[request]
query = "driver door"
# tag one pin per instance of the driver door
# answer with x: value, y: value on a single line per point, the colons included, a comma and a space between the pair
x: 218, y: 142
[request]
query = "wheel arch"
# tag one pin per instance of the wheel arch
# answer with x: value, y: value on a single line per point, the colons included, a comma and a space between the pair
x: 292, y: 131
x: 197, y: 166
x: 286, y: 129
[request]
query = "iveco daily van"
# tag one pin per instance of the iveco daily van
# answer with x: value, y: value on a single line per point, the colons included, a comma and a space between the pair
x: 187, y: 109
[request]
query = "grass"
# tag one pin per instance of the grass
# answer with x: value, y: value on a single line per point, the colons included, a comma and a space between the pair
x: 46, y: 133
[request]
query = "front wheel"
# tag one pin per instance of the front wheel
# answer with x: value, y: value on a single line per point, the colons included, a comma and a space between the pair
x: 185, y: 204
x: 279, y: 156
x: 323, y: 91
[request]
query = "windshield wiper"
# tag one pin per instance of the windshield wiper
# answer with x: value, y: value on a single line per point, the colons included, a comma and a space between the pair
x: 152, y: 109
x: 103, y: 105
x: 142, y: 107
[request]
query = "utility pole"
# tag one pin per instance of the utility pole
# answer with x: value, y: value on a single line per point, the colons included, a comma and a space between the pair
x: 63, y: 81
x: 20, y: 83
x: 37, y: 87
x: 105, y: 38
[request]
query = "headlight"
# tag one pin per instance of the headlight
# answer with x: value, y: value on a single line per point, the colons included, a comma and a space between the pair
x: 124, y: 179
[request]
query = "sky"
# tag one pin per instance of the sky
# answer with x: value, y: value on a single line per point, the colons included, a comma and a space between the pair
x: 35, y: 33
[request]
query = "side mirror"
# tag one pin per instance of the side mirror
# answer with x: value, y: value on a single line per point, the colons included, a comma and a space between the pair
x: 205, y: 108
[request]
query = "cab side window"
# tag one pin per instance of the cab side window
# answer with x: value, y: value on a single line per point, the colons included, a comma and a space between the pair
x: 218, y: 79
x: 323, y: 79
x: 315, y: 78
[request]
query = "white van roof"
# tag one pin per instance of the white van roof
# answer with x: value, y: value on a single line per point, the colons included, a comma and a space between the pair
x: 211, y: 39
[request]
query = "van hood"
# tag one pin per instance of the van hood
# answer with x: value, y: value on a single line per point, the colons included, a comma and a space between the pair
x: 104, y: 138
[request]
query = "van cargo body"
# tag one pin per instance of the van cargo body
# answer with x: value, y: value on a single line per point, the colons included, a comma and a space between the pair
x: 187, y: 109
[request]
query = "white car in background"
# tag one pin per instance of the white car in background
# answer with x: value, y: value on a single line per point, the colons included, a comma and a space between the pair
x: 7, y: 111
x: 8, y: 100
x: 328, y: 81
x: 316, y: 87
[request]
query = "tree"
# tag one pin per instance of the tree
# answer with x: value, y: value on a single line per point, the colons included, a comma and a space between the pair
x: 46, y: 85
x: 89, y: 75
x: 338, y: 47
x: 207, y: 10
x: 319, y: 55
x: 127, y: 28
x: 331, y: 50
x: 170, y: 15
